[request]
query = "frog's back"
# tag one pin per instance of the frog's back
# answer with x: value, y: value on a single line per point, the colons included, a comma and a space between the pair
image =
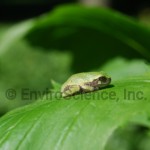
x: 82, y: 77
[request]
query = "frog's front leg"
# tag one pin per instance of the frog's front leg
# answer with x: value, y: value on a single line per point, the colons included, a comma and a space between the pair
x: 87, y: 88
x: 71, y: 90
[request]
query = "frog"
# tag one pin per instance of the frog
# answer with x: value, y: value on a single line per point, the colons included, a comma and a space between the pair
x: 85, y: 82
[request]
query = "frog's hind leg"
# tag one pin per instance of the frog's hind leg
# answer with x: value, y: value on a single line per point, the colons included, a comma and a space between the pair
x: 71, y: 90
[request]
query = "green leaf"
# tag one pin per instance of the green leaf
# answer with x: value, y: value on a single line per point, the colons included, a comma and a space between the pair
x: 73, y: 123
x: 95, y: 34
x: 14, y: 34
x: 129, y: 136
x: 126, y: 68
x: 56, y: 86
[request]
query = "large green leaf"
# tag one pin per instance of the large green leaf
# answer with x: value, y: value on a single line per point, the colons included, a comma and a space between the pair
x: 79, y: 122
x: 93, y: 34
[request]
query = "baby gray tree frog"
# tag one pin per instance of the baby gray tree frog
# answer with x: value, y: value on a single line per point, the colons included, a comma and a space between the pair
x: 84, y: 82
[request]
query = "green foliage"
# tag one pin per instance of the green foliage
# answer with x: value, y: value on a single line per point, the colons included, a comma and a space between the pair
x: 23, y: 66
x: 73, y: 123
x: 122, y: 69
x: 50, y: 48
x: 93, y: 35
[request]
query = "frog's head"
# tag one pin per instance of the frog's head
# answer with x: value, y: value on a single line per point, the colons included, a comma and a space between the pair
x: 104, y: 80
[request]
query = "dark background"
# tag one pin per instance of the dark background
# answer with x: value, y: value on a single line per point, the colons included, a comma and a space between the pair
x: 15, y: 10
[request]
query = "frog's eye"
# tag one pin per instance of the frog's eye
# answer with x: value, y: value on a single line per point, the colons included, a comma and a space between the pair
x: 103, y: 79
